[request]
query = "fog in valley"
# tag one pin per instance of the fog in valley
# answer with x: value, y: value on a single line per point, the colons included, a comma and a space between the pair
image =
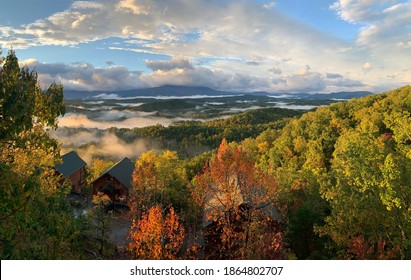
x: 109, y: 119
x: 94, y: 143
x: 86, y: 125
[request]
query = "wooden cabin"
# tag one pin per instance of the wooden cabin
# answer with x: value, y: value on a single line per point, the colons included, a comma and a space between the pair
x: 115, y: 182
x: 72, y: 168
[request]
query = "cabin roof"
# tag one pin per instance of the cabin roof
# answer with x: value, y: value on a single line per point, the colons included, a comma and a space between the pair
x: 71, y: 163
x: 122, y: 171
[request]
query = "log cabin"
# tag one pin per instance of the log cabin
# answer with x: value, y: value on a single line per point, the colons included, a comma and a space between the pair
x: 115, y: 182
x: 72, y: 168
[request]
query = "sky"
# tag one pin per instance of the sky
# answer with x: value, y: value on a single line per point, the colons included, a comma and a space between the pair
x: 288, y: 46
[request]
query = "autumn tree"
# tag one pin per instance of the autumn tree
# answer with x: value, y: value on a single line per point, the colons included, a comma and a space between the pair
x: 158, y: 235
x: 238, y: 202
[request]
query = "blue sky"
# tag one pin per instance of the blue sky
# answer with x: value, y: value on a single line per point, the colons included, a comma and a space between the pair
x: 276, y: 46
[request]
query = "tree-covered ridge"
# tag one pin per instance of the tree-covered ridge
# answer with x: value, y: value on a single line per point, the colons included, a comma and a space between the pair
x: 190, y: 138
x: 340, y: 178
x: 344, y: 171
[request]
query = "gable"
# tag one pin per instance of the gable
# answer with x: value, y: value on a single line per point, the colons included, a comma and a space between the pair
x: 71, y: 162
x: 121, y: 171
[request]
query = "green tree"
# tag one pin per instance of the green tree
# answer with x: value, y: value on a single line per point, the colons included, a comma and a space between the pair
x: 36, y: 220
x: 100, y: 218
x: 369, y: 191
x: 25, y: 108
x: 158, y: 180
x: 99, y: 166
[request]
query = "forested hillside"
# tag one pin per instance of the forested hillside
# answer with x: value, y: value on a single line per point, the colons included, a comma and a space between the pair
x: 343, y: 173
x: 186, y: 136
x: 334, y: 183
x: 340, y: 176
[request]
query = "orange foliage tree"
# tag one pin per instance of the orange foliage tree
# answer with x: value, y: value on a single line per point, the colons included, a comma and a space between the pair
x: 238, y: 201
x: 156, y: 236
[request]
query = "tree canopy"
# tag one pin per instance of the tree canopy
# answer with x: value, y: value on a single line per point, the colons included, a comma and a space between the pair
x: 36, y: 220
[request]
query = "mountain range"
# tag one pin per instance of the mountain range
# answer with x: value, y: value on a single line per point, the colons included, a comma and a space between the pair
x: 180, y: 91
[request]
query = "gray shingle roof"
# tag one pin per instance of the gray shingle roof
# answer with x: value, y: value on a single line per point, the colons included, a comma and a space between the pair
x: 122, y: 171
x: 71, y: 163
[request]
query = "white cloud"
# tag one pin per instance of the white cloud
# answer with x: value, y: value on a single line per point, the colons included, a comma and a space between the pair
x: 202, y: 76
x: 175, y: 63
x: 269, y: 5
x: 384, y: 37
x: 404, y: 44
x: 87, y: 5
x: 84, y: 76
x: 28, y: 62
x: 367, y: 67
x: 132, y: 6
x: 220, y: 29
x: 359, y: 10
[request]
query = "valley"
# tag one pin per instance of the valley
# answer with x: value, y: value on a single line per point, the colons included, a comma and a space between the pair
x: 188, y: 120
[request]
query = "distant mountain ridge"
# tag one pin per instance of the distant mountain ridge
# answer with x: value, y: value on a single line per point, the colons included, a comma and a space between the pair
x: 170, y: 90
